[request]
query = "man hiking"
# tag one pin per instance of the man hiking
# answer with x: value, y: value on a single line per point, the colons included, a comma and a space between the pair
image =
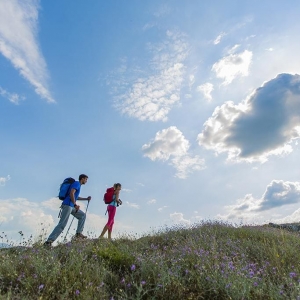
x: 68, y: 207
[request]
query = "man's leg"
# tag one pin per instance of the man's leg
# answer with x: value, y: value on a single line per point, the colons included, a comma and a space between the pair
x: 80, y: 216
x: 65, y: 214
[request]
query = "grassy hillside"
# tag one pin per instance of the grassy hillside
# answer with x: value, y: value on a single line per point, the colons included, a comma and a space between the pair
x: 209, y: 261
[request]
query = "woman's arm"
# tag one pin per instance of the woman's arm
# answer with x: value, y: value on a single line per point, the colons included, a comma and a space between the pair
x: 117, y: 197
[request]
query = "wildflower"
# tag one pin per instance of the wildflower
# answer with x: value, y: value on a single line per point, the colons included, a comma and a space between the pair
x: 77, y: 292
x: 143, y: 282
x: 128, y: 285
x: 132, y: 268
x: 41, y: 286
x: 293, y: 274
x: 123, y: 281
x: 251, y: 273
x: 255, y: 283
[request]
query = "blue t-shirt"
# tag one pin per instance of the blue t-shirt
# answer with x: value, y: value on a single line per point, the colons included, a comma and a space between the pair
x: 75, y: 185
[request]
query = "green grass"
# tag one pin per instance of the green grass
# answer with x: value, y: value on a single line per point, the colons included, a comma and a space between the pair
x: 209, y: 261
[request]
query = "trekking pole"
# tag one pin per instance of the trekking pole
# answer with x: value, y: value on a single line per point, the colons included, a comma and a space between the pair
x: 87, y: 206
x: 69, y: 229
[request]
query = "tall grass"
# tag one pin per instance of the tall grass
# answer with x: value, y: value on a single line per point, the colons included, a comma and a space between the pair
x: 209, y: 261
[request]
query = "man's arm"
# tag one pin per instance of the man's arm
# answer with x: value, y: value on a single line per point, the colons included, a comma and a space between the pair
x: 87, y: 198
x: 72, y: 196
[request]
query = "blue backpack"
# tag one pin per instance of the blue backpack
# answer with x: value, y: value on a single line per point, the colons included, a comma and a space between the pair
x: 64, y: 189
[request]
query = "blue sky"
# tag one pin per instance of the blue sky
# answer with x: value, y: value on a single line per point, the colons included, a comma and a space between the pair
x: 193, y: 106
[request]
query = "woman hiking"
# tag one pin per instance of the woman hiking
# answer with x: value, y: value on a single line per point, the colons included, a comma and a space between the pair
x: 111, y: 208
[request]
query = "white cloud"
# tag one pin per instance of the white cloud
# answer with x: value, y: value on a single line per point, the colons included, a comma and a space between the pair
x: 3, y: 180
x: 206, y: 89
x: 186, y: 165
x: 191, y: 80
x: 178, y: 218
x: 22, y: 215
x: 169, y: 143
x: 292, y: 218
x: 265, y: 124
x: 162, y: 208
x: 52, y: 204
x: 152, y: 97
x: 18, y: 42
x: 12, y: 97
x: 219, y: 37
x: 278, y: 193
x: 233, y: 65
x: 134, y: 205
x: 152, y: 201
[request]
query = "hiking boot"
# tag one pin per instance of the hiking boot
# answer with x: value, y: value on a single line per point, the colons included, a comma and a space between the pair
x: 48, y: 244
x: 80, y: 236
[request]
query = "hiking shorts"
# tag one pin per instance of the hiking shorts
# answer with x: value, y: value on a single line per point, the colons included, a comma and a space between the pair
x: 111, y: 216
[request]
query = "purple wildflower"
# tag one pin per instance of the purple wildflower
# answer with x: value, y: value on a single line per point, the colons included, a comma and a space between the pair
x: 293, y: 274
x: 132, y: 268
x: 41, y: 286
x: 143, y: 282
x: 255, y: 283
x: 77, y: 292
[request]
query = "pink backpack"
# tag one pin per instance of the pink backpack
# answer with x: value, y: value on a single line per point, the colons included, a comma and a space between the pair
x: 108, y: 196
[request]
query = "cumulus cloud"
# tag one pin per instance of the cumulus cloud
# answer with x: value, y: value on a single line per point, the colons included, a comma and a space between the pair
x: 178, y: 218
x: 12, y: 97
x: 171, y: 145
x: 18, y: 43
x: 206, y: 90
x: 278, y: 193
x: 167, y: 142
x: 19, y: 214
x: 265, y: 124
x: 292, y: 218
x: 233, y: 65
x: 152, y: 97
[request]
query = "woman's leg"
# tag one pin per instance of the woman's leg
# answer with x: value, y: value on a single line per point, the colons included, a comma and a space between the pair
x: 111, y: 215
x: 105, y: 228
